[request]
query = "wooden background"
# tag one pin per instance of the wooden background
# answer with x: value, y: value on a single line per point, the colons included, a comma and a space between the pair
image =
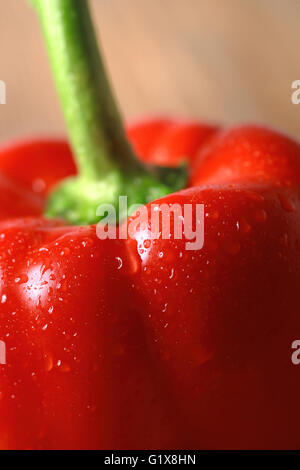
x: 219, y: 60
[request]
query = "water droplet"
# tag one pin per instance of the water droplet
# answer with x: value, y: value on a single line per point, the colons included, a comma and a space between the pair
x: 255, y: 196
x: 120, y: 262
x: 63, y: 366
x: 38, y: 185
x: 3, y: 299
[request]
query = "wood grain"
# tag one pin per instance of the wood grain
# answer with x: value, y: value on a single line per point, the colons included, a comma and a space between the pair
x: 229, y: 61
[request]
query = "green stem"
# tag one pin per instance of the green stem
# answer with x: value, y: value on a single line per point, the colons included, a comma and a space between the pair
x: 94, y: 124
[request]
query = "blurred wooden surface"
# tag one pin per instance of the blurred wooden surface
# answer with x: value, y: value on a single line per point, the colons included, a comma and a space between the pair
x: 217, y: 60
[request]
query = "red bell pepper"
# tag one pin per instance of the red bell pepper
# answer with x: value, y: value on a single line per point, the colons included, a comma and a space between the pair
x: 142, y: 344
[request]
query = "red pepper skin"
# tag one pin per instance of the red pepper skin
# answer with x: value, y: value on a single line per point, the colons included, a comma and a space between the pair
x: 17, y: 201
x: 37, y: 164
x: 115, y: 344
